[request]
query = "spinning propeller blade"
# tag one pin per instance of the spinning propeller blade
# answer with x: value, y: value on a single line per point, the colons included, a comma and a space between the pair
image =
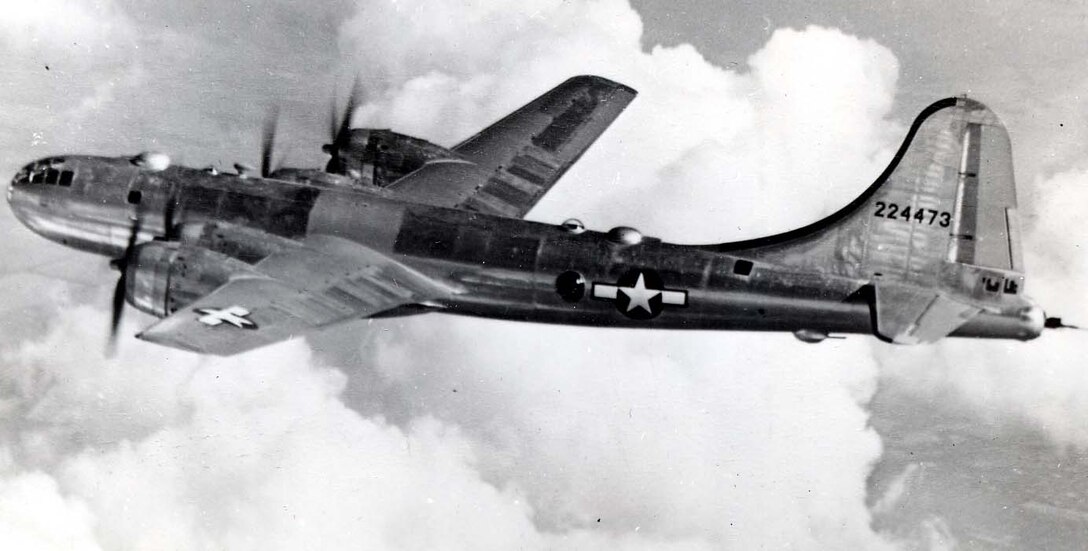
x: 268, y: 141
x: 118, y: 305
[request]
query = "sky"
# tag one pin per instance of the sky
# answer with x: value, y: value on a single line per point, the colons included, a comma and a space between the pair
x: 442, y: 432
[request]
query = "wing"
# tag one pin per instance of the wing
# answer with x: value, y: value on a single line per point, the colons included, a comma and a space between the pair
x: 518, y: 159
x: 326, y: 281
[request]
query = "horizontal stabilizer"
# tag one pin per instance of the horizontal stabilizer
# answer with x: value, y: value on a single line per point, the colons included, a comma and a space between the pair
x: 906, y: 314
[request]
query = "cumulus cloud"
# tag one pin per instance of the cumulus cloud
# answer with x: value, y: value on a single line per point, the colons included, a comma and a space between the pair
x: 35, y: 516
x: 449, y: 432
x: 255, y: 452
x: 672, y: 434
x: 157, y: 447
x: 65, y: 60
x: 86, y: 27
x: 1042, y: 382
x: 1057, y: 240
x: 668, y: 434
x: 733, y: 153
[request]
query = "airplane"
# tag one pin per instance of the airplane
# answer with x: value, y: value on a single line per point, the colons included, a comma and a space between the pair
x: 232, y: 262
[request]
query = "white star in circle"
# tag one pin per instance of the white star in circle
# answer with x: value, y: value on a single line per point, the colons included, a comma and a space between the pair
x: 235, y: 315
x: 639, y: 295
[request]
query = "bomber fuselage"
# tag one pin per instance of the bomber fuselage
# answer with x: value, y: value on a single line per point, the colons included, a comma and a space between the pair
x: 508, y: 268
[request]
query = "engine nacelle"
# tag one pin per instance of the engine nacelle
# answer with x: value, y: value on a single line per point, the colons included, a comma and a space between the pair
x: 321, y: 178
x: 163, y: 277
x: 382, y: 156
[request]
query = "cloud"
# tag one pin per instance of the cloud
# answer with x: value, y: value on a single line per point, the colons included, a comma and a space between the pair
x: 83, y: 27
x: 33, y: 516
x: 671, y: 434
x: 735, y: 154
x: 65, y: 60
x: 1041, y: 382
x: 1056, y: 240
x: 252, y: 452
x: 156, y: 447
x: 448, y: 432
x: 896, y: 489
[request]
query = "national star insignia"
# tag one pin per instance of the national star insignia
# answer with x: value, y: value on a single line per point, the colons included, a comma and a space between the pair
x: 235, y: 315
x: 639, y: 294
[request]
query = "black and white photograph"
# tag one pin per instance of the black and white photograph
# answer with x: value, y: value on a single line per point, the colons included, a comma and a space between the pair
x: 543, y: 275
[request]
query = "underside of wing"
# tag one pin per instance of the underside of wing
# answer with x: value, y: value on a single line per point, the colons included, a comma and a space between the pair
x: 515, y: 161
x: 326, y: 281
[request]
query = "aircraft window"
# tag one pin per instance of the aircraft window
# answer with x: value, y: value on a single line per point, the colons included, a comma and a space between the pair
x: 571, y: 286
x: 66, y: 178
x: 35, y: 177
x: 134, y: 197
x: 52, y: 175
x: 742, y: 267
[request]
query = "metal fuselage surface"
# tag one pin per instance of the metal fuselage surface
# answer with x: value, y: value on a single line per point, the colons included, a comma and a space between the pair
x: 508, y: 268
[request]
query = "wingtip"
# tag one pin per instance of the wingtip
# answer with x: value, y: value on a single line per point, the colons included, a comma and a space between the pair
x: 151, y: 337
x: 602, y: 81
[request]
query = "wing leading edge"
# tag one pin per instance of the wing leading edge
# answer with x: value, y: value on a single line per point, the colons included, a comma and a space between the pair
x: 515, y: 161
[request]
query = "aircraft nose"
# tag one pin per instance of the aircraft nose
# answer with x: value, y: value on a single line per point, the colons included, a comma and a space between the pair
x: 16, y: 182
x: 20, y: 193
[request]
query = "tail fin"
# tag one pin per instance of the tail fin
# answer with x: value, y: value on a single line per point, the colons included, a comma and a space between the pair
x: 937, y: 233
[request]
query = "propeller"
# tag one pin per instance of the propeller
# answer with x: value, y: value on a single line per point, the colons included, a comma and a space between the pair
x: 339, y: 132
x: 268, y: 141
x: 170, y: 230
x: 121, y: 264
x: 334, y: 115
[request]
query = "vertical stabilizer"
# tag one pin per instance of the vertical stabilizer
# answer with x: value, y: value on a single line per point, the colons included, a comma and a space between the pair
x: 936, y: 235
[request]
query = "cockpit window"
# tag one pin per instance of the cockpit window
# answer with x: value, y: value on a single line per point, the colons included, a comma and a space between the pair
x: 45, y: 174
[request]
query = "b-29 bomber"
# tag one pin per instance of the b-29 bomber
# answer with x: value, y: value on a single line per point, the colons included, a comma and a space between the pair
x: 396, y: 226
